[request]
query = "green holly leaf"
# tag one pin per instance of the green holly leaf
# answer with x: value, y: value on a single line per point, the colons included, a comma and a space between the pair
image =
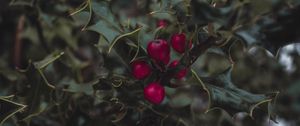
x: 40, y: 65
x: 269, y: 30
x: 224, y: 94
x: 9, y: 108
x: 102, y: 10
x: 105, y: 29
x: 47, y: 60
x: 74, y: 87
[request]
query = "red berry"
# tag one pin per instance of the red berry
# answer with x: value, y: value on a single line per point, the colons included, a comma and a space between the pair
x: 181, y: 73
x: 162, y: 23
x: 154, y: 93
x: 159, y: 50
x: 140, y: 69
x: 178, y: 42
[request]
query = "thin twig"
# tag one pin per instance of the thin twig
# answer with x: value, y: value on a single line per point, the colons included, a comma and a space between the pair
x: 189, y: 58
x: 18, y: 42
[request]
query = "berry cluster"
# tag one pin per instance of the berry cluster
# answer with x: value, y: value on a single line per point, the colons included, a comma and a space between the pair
x: 159, y: 51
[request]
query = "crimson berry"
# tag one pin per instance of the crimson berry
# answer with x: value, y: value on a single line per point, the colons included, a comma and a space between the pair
x: 159, y: 50
x: 178, y: 42
x: 154, y: 93
x: 140, y: 69
x: 162, y: 23
x: 181, y: 73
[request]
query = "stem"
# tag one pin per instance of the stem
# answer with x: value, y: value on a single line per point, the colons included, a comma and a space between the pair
x: 18, y: 42
x: 189, y: 58
x: 199, y: 49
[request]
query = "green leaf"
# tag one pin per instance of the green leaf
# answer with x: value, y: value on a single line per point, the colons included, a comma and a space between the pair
x: 40, y: 65
x: 102, y: 10
x: 204, y: 13
x: 74, y: 87
x: 81, y: 18
x: 81, y: 8
x: 36, y: 95
x: 270, y: 30
x: 87, y: 16
x: 211, y: 63
x: 224, y: 94
x: 9, y: 108
x: 63, y: 29
x: 47, y: 60
x: 105, y: 29
x: 72, y: 61
x: 120, y: 37
x: 180, y: 99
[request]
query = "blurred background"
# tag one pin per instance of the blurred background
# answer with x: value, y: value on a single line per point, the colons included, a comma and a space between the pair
x: 56, y: 68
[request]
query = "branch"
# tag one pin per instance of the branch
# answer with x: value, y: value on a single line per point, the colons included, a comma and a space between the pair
x: 189, y: 58
x: 18, y: 42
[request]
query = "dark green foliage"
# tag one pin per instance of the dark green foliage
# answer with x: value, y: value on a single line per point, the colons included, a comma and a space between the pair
x: 67, y: 62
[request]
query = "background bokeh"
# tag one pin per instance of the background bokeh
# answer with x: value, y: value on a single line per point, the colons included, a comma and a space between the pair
x: 66, y: 62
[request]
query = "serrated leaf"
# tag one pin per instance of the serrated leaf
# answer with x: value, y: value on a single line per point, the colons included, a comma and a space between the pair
x: 203, y: 12
x: 9, y: 108
x: 36, y: 94
x: 73, y: 86
x: 47, y: 60
x: 88, y: 17
x: 81, y: 8
x: 274, y: 30
x: 224, y: 94
x: 72, y: 61
x: 81, y: 18
x: 102, y: 10
x: 105, y: 29
x: 121, y: 36
x: 40, y: 65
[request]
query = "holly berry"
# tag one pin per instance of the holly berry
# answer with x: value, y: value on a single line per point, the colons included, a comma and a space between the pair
x: 182, y: 73
x: 178, y: 42
x: 140, y: 69
x: 162, y: 23
x: 159, y: 50
x: 154, y: 93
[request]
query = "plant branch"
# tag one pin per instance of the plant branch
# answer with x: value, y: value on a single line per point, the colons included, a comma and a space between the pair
x: 189, y: 58
x: 18, y: 42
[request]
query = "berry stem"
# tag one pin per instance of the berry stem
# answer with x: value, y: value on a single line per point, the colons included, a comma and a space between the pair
x: 189, y: 58
x: 18, y: 42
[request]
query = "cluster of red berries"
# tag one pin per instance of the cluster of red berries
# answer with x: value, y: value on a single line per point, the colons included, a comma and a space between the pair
x: 159, y: 51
